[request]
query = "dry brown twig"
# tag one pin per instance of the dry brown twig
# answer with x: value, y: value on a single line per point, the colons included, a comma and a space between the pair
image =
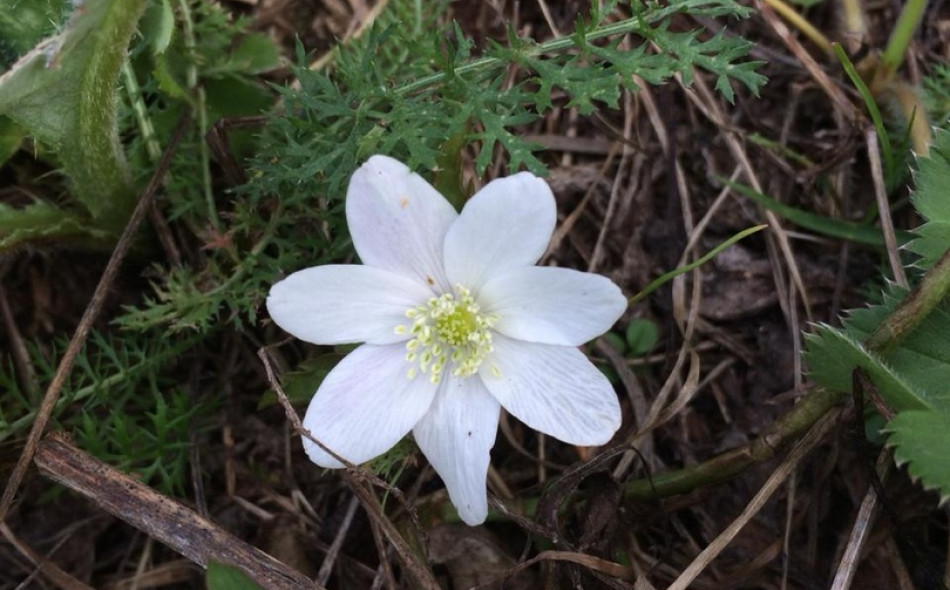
x: 43, y: 565
x: 160, y: 517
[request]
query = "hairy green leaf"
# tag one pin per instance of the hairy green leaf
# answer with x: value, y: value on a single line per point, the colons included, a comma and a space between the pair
x: 63, y: 92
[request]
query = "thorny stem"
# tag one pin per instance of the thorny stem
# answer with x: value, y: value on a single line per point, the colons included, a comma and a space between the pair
x: 933, y: 289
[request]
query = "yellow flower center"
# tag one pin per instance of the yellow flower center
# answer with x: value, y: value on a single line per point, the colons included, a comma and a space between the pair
x: 449, y: 327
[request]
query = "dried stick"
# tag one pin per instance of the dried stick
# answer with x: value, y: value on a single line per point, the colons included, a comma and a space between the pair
x: 801, y: 449
x: 88, y: 318
x: 884, y: 209
x: 326, y: 568
x: 43, y: 566
x: 862, y: 525
x: 160, y: 517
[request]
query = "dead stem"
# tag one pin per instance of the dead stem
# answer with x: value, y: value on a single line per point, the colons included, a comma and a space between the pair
x: 159, y: 516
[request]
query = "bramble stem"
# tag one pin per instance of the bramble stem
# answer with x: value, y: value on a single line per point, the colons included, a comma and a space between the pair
x: 918, y: 304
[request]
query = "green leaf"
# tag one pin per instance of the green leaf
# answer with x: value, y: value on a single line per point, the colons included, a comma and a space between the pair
x: 40, y: 222
x: 909, y: 367
x: 236, y: 97
x: 227, y: 577
x: 24, y: 22
x: 254, y: 54
x: 11, y: 136
x: 930, y: 199
x: 833, y: 355
x: 158, y: 26
x: 836, y: 228
x: 641, y: 336
x: 921, y: 440
x: 910, y: 376
x: 300, y: 385
x: 63, y: 92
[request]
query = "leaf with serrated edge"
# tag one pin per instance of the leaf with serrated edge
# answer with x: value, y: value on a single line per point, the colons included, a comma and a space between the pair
x: 920, y: 439
x: 930, y: 199
x: 832, y: 355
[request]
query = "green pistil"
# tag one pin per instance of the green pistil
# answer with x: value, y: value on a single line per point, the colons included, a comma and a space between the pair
x: 446, y: 328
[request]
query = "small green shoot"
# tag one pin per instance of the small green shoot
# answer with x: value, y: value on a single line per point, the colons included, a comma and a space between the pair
x: 227, y: 577
x: 667, y: 277
x: 641, y: 337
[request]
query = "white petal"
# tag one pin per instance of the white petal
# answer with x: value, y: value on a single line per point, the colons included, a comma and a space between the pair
x: 552, y: 305
x: 398, y: 221
x: 505, y: 225
x: 553, y: 389
x: 337, y: 304
x: 365, y: 405
x: 456, y: 436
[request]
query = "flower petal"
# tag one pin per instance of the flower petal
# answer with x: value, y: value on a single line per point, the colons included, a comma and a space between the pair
x: 553, y: 389
x: 337, y: 304
x: 398, y: 221
x: 456, y: 436
x: 505, y: 225
x: 365, y: 406
x: 552, y: 305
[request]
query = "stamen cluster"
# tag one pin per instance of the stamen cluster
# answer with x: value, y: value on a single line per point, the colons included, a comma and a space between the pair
x: 449, y: 327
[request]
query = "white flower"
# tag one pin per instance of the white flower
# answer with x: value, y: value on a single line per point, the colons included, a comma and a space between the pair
x: 457, y: 323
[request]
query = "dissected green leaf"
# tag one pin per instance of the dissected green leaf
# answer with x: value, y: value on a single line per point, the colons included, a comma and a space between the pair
x: 921, y: 440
